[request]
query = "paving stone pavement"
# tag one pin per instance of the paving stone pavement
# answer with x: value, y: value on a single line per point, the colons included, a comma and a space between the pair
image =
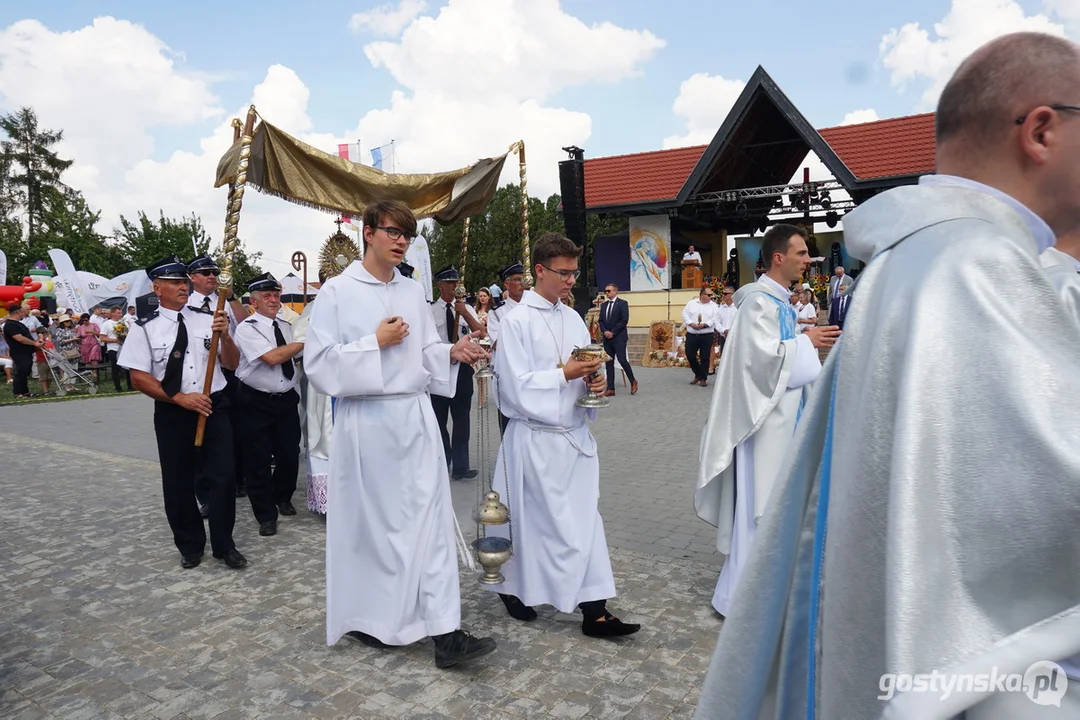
x: 98, y: 620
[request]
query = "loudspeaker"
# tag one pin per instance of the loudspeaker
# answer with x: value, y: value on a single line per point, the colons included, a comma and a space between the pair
x: 572, y: 188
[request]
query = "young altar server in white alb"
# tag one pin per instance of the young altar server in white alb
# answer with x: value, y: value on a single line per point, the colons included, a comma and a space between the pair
x: 548, y: 456
x: 391, y: 566
x: 765, y: 368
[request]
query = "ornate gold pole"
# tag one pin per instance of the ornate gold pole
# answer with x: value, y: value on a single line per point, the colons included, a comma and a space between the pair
x: 526, y: 255
x: 461, y: 292
x: 228, y: 248
x: 299, y: 262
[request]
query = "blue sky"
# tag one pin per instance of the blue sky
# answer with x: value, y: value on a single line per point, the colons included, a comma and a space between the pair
x: 824, y: 55
x: 144, y: 99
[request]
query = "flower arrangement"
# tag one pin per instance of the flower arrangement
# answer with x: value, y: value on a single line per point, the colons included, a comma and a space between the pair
x: 819, y: 285
x: 121, y: 330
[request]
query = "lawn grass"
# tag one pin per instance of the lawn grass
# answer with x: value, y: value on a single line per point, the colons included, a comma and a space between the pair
x: 104, y: 389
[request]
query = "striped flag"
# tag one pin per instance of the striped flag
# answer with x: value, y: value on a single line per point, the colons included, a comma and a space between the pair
x: 350, y: 152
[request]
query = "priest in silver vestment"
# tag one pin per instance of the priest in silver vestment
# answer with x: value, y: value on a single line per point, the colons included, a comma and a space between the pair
x: 926, y: 524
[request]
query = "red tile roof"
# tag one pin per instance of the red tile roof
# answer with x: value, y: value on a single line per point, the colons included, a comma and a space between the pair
x: 641, y: 177
x: 885, y: 148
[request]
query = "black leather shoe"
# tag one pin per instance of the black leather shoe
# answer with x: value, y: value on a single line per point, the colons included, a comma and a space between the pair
x: 465, y: 475
x: 459, y: 646
x: 610, y: 626
x: 268, y: 528
x: 189, y: 561
x: 286, y: 508
x: 369, y: 640
x: 233, y: 559
x: 517, y: 609
x: 204, y: 511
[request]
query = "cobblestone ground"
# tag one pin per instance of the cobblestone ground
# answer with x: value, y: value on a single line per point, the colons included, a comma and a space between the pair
x: 97, y: 619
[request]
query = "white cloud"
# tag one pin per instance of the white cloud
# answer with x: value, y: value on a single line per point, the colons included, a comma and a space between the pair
x: 860, y: 116
x: 703, y: 102
x: 912, y: 55
x: 387, y: 19
x: 113, y: 87
x: 462, y: 100
x: 518, y: 49
x: 107, y: 85
x: 1067, y: 10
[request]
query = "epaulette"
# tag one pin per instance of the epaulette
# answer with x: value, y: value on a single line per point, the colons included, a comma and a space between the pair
x: 201, y: 311
x: 142, y: 321
x: 253, y: 321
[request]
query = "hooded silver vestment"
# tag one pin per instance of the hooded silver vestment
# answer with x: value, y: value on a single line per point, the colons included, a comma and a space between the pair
x: 928, y: 517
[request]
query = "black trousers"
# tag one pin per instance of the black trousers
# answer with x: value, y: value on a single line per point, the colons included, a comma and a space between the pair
x: 116, y: 370
x: 22, y: 364
x: 698, y: 352
x: 271, y: 429
x: 180, y: 460
x: 616, y: 349
x: 456, y: 445
x: 202, y: 482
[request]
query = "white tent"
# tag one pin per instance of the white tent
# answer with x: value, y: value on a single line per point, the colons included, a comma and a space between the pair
x: 292, y: 289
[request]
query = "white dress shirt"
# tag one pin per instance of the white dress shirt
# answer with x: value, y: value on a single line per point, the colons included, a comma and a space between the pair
x: 708, y: 313
x: 255, y: 337
x: 148, y: 346
x: 691, y: 256
x: 725, y: 317
x: 196, y: 300
x: 438, y: 314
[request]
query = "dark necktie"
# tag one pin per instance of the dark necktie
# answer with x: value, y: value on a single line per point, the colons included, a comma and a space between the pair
x: 174, y: 366
x: 287, y: 366
x: 607, y: 315
x: 451, y: 326
x: 206, y: 304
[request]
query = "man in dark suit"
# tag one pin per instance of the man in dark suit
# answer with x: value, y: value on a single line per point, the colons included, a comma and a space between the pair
x: 839, y: 309
x: 614, y: 316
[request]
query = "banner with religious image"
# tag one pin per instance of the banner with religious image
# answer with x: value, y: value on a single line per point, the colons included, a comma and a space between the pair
x: 650, y: 253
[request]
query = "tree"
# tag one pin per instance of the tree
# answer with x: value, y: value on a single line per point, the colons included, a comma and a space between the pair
x: 144, y: 242
x: 30, y: 167
x: 68, y: 224
x: 495, y: 236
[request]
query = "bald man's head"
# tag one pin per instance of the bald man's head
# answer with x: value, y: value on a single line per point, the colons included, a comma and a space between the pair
x: 1002, y: 81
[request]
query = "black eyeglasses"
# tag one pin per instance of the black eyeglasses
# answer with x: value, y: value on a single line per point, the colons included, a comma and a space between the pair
x: 208, y: 273
x: 1073, y: 108
x: 394, y: 233
x: 564, y: 274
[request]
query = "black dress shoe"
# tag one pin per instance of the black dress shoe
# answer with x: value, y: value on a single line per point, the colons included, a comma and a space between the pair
x: 370, y: 640
x: 189, y: 561
x: 517, y: 609
x: 610, y: 626
x: 286, y: 508
x: 457, y: 647
x: 465, y: 474
x: 268, y: 528
x: 233, y: 559
x: 204, y: 511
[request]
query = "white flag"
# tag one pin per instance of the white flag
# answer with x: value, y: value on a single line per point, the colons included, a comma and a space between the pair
x: 3, y: 268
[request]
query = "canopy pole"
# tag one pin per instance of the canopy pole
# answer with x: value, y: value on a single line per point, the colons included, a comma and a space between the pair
x: 228, y: 249
x: 526, y: 254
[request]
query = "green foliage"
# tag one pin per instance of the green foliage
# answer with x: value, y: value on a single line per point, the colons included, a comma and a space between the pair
x: 495, y: 236
x: 30, y: 167
x: 144, y: 241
